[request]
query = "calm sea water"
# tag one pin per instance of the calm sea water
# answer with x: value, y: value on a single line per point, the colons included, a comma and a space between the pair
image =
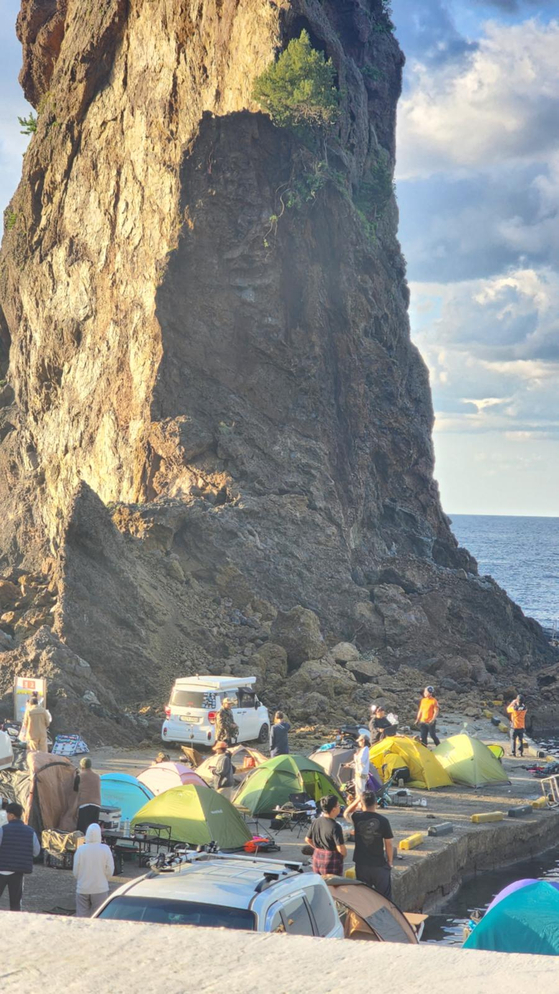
x: 521, y: 554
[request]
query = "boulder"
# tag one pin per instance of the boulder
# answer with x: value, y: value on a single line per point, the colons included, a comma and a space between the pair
x: 312, y: 708
x: 9, y: 592
x: 322, y: 675
x: 367, y: 670
x: 402, y: 618
x: 345, y: 652
x: 298, y: 631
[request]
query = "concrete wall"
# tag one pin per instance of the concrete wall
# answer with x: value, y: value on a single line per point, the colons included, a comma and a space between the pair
x: 40, y: 954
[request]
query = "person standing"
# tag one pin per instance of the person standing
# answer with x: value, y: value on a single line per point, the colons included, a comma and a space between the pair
x: 380, y: 726
x: 427, y: 713
x: 18, y: 846
x: 93, y: 866
x: 327, y: 839
x: 223, y: 769
x: 89, y: 795
x: 279, y: 741
x: 226, y: 728
x: 35, y: 724
x: 361, y: 765
x: 374, y: 851
x: 517, y: 712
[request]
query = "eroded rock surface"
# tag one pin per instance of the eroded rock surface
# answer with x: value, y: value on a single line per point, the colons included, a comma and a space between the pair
x: 213, y: 419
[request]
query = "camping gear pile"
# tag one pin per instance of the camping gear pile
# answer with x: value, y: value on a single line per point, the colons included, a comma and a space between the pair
x: 272, y: 784
x: 523, y: 918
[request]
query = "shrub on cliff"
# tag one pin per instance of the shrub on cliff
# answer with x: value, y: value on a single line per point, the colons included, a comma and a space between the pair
x: 298, y: 91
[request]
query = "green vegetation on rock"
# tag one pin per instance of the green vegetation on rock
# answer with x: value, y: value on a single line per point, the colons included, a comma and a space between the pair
x: 28, y: 124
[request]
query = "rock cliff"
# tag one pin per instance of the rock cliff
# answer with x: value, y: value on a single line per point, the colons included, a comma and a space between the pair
x: 215, y: 431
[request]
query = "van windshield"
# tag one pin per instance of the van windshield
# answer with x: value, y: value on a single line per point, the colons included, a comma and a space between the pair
x: 165, y: 912
x: 194, y: 699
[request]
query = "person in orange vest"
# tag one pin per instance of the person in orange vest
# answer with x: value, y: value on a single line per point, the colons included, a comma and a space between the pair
x: 517, y: 711
x: 427, y: 716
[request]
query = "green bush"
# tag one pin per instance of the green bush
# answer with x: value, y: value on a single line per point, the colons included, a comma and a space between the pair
x: 298, y: 91
x: 28, y: 124
x: 10, y: 220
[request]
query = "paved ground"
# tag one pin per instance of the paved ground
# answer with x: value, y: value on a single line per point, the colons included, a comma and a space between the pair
x: 424, y: 876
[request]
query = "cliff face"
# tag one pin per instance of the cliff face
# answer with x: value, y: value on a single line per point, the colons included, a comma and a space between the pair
x: 212, y: 402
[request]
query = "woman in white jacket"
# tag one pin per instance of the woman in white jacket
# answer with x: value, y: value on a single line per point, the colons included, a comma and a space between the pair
x: 93, y: 866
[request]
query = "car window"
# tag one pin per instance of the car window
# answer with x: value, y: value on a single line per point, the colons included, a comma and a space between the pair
x: 193, y: 699
x: 274, y: 921
x: 149, y: 909
x: 321, y: 907
x: 296, y: 917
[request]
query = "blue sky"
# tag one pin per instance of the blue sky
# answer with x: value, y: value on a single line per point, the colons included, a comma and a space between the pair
x: 478, y: 189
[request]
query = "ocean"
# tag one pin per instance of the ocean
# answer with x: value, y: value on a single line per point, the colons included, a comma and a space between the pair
x: 521, y: 554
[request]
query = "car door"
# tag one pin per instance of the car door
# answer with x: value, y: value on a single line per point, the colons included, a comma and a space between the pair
x: 251, y: 716
x: 296, y: 916
x: 239, y: 714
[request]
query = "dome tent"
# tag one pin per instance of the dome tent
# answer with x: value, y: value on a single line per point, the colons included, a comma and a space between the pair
x: 196, y: 815
x: 526, y: 921
x: 469, y: 761
x: 238, y: 755
x: 332, y: 761
x: 120, y: 790
x: 165, y: 776
x: 399, y: 750
x: 271, y: 784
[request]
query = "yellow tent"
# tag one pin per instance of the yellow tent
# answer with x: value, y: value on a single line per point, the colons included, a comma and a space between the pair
x: 399, y: 750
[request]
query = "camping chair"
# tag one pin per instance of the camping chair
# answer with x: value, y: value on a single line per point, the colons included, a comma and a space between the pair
x: 297, y: 814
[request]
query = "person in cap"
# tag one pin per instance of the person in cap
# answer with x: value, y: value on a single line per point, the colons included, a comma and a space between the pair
x: 223, y: 769
x: 279, y: 741
x: 93, y: 867
x: 89, y: 795
x: 226, y: 728
x: 35, y: 724
x: 361, y: 764
x: 427, y: 716
x: 19, y: 845
x: 517, y: 713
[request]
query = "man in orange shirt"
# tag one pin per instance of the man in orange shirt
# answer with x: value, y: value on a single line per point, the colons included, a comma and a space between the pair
x: 427, y: 716
x: 517, y: 712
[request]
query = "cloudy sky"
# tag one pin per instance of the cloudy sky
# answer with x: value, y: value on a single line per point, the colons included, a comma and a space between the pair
x: 478, y: 187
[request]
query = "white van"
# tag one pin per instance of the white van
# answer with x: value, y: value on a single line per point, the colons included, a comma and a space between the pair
x: 195, y: 700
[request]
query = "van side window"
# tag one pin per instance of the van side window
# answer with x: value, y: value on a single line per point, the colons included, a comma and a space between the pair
x: 321, y: 907
x: 296, y: 917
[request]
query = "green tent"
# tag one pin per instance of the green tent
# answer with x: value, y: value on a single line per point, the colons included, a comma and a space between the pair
x: 196, y: 815
x: 273, y: 781
x: 469, y: 761
x: 527, y: 921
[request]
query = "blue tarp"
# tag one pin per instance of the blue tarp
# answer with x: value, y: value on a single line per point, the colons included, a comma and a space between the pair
x: 526, y: 921
x: 120, y: 790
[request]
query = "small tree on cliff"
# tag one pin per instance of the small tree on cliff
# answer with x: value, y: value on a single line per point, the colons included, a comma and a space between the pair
x: 299, y: 91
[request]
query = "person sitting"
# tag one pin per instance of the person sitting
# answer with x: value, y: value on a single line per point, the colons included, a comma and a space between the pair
x: 89, y: 795
x: 279, y: 741
x: 93, y: 866
x: 327, y: 840
x: 380, y: 726
x: 223, y: 769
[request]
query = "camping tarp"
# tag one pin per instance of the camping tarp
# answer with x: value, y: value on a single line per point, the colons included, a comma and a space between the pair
x: 527, y: 921
x: 399, y: 750
x: 196, y: 815
x: 165, y: 776
x: 238, y: 755
x: 52, y: 802
x: 469, y: 761
x: 271, y: 784
x: 120, y: 790
x: 369, y: 915
x: 331, y: 761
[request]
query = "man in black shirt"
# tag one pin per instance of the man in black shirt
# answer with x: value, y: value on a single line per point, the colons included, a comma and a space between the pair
x: 379, y: 726
x: 374, y: 852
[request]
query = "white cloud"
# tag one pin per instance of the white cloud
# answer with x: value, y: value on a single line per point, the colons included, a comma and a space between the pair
x: 501, y: 104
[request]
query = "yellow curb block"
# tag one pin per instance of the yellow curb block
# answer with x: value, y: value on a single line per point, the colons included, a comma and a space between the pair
x: 412, y: 841
x: 540, y: 803
x: 504, y: 728
x: 479, y: 819
x: 488, y: 714
x: 350, y: 873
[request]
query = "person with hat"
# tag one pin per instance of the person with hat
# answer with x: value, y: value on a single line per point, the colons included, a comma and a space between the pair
x: 517, y: 713
x: 223, y: 770
x: 427, y: 716
x: 361, y: 764
x: 35, y: 724
x: 226, y: 728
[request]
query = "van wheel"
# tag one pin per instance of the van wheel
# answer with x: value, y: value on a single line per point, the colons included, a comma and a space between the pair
x: 264, y: 734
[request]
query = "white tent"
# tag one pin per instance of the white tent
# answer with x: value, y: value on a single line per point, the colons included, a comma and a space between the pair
x: 6, y: 751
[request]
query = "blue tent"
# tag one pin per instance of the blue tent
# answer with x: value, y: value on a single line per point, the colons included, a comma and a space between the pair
x: 120, y: 790
x: 527, y: 921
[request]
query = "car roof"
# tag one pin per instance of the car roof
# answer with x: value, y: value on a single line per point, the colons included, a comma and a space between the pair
x: 229, y: 883
x: 215, y: 682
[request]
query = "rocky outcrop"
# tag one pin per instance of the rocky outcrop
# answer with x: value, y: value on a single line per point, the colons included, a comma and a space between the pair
x: 214, y: 422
